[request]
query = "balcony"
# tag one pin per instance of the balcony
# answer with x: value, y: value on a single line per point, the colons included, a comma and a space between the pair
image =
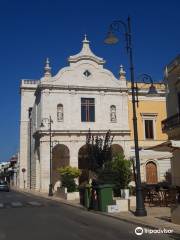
x: 171, y: 122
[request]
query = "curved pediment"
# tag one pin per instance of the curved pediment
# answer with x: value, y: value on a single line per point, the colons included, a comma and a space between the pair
x: 84, y: 75
x: 85, y: 70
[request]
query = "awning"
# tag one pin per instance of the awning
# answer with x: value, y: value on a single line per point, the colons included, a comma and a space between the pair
x: 168, y: 146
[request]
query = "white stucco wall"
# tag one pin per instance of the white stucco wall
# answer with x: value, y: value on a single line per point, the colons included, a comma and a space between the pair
x: 27, y: 101
x: 67, y: 87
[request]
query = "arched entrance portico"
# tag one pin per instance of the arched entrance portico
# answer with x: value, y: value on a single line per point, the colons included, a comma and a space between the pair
x: 83, y: 160
x: 116, y: 149
x: 151, y: 173
x: 83, y: 164
x: 60, y: 158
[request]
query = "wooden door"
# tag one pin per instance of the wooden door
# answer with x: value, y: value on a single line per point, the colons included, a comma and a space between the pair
x: 151, y: 173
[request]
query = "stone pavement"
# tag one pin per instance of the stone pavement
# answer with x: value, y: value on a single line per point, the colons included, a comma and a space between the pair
x: 157, y: 217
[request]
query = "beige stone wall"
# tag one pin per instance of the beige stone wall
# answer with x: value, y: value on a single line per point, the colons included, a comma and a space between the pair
x: 27, y: 101
x: 173, y: 89
x: 176, y: 167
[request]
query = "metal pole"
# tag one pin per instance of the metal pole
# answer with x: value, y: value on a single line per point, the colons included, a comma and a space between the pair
x: 140, y: 209
x: 50, y: 154
x: 23, y: 180
x: 30, y: 154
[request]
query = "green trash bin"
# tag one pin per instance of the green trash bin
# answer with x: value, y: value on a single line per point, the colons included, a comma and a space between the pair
x: 87, y: 196
x: 85, y: 192
x: 81, y: 194
x: 105, y: 196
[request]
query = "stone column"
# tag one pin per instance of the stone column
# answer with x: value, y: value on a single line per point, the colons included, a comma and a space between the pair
x: 73, y: 147
x: 44, y: 165
x: 23, y: 155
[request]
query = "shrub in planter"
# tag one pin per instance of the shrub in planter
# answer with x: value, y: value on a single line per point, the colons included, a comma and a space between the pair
x: 117, y: 172
x: 122, y: 168
x: 68, y: 175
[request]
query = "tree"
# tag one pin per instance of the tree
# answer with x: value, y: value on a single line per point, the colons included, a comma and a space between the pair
x: 99, y: 150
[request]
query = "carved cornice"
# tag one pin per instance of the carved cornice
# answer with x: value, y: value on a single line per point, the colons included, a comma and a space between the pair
x: 80, y: 88
x: 40, y: 133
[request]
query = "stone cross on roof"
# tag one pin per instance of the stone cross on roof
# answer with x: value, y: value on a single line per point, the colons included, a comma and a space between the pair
x: 86, y: 53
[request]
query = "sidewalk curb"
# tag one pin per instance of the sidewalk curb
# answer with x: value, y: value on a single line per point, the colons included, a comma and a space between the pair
x: 59, y: 200
x: 137, y: 222
x: 125, y: 220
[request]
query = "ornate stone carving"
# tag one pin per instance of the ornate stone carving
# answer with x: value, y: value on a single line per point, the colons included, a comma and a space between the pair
x: 113, y: 113
x: 60, y: 114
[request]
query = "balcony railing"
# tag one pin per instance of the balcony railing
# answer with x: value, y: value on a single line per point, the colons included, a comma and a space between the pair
x: 171, y: 122
x: 30, y: 81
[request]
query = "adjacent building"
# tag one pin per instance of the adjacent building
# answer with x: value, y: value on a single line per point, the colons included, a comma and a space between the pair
x: 171, y: 125
x: 9, y: 170
x: 151, y: 110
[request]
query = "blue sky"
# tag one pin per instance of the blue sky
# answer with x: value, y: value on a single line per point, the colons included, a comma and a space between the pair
x: 32, y: 30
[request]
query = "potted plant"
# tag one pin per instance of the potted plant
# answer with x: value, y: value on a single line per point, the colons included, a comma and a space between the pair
x: 122, y: 167
x: 69, y: 188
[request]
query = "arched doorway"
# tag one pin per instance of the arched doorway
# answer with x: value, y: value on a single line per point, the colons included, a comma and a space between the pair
x: 151, y: 173
x: 60, y: 158
x: 83, y: 164
x: 116, y: 149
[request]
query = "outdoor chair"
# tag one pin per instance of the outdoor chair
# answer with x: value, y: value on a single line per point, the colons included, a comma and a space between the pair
x: 170, y: 197
x: 154, y: 197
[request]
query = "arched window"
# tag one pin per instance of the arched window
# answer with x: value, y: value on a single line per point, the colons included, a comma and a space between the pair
x: 60, y: 113
x: 113, y: 113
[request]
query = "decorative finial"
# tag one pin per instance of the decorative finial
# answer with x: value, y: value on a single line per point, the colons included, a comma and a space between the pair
x: 122, y: 73
x: 47, y: 68
x: 85, y: 39
x: 166, y: 73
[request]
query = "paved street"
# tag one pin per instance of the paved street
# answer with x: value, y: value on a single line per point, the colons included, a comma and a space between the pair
x: 27, y: 217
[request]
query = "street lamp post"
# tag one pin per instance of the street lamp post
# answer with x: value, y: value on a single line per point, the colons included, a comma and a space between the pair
x: 112, y: 39
x: 146, y: 78
x: 50, y: 121
x: 50, y: 153
x: 23, y: 172
x: 30, y: 144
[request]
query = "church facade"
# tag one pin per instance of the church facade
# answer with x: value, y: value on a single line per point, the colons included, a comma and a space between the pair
x: 57, y: 112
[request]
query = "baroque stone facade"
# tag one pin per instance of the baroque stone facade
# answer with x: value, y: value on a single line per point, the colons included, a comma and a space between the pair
x: 80, y: 96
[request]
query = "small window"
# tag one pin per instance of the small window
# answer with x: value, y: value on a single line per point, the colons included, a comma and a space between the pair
x: 60, y: 113
x: 149, y: 129
x: 87, y: 110
x: 87, y: 73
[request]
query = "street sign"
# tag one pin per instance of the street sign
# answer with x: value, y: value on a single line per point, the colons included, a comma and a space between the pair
x: 23, y: 170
